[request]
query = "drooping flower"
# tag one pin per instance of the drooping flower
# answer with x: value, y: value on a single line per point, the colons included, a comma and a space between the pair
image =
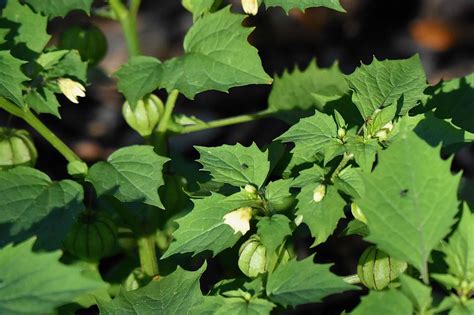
x: 250, y: 6
x: 239, y: 220
x: 71, y: 89
x: 319, y: 193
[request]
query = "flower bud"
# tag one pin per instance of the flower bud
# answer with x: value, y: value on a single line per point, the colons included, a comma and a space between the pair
x: 239, y: 220
x: 250, y: 189
x: 250, y: 6
x: 77, y: 169
x: 319, y: 193
x: 357, y: 213
x: 341, y: 133
x: 146, y: 115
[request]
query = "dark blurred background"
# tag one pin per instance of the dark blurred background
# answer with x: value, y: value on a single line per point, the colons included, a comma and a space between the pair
x: 441, y: 31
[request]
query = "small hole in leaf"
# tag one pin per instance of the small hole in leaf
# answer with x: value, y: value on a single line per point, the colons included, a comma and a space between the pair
x: 244, y: 166
x: 404, y: 192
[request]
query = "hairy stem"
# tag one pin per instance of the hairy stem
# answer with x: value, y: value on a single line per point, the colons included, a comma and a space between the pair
x: 162, y: 129
x: 147, y: 253
x: 44, y: 131
x: 345, y: 159
x: 228, y: 121
x: 128, y: 20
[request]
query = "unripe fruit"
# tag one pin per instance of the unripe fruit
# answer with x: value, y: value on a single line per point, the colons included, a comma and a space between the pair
x: 89, y: 41
x: 146, y: 115
x: 16, y: 149
x: 376, y: 270
x: 252, y: 257
x: 92, y: 237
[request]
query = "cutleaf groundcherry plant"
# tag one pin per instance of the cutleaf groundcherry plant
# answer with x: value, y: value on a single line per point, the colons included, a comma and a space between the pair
x: 371, y: 152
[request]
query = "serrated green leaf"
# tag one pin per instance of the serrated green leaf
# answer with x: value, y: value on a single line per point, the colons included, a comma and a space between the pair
x: 33, y: 283
x: 31, y: 204
x: 321, y: 217
x: 383, y: 83
x: 460, y: 248
x: 410, y: 200
x: 350, y: 181
x: 273, y: 231
x: 69, y: 66
x: 11, y: 78
x: 454, y: 100
x: 418, y: 293
x: 278, y: 194
x: 437, y: 131
x: 29, y: 28
x: 200, y: 7
x: 310, y: 175
x: 48, y: 60
x: 287, y: 5
x: 217, y: 57
x: 235, y: 165
x: 355, y: 227
x: 43, y: 100
x: 296, y: 90
x: 219, y: 305
x: 300, y: 282
x: 139, y: 77
x: 364, y: 151
x: 176, y: 293
x: 204, y: 228
x: 390, y: 302
x: 312, y: 135
x: 131, y: 174
x: 54, y: 8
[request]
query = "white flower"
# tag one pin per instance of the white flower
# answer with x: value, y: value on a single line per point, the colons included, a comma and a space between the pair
x: 239, y: 220
x: 71, y: 89
x: 319, y: 193
x: 250, y: 6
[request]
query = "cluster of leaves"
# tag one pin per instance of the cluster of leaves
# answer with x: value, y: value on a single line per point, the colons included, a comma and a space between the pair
x: 373, y: 139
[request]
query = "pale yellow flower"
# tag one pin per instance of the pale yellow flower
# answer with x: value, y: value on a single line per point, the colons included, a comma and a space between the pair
x: 250, y: 6
x: 239, y: 220
x: 319, y: 193
x: 71, y: 89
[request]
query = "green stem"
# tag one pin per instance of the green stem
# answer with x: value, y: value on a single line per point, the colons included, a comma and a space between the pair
x: 44, y: 131
x: 345, y: 159
x: 128, y: 20
x: 228, y: 121
x: 147, y: 253
x: 353, y: 279
x: 162, y: 129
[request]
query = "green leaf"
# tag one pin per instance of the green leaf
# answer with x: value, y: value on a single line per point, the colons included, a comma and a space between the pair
x: 33, y: 283
x: 321, y: 217
x: 31, y: 204
x: 389, y: 302
x: 454, y: 100
x: 11, y: 77
x: 199, y: 7
x: 29, y: 28
x: 355, y: 227
x: 70, y: 66
x: 300, y: 282
x: 418, y: 293
x: 204, y: 228
x: 219, y: 305
x: 460, y: 248
x: 176, y: 293
x: 278, y: 194
x: 235, y: 165
x: 139, y: 77
x: 383, y: 83
x: 273, y: 231
x: 364, y: 151
x: 54, y: 8
x: 43, y: 100
x: 310, y: 175
x: 350, y: 181
x: 131, y: 174
x: 296, y: 90
x: 410, y: 200
x: 437, y: 131
x: 287, y: 5
x: 466, y: 309
x: 312, y: 135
